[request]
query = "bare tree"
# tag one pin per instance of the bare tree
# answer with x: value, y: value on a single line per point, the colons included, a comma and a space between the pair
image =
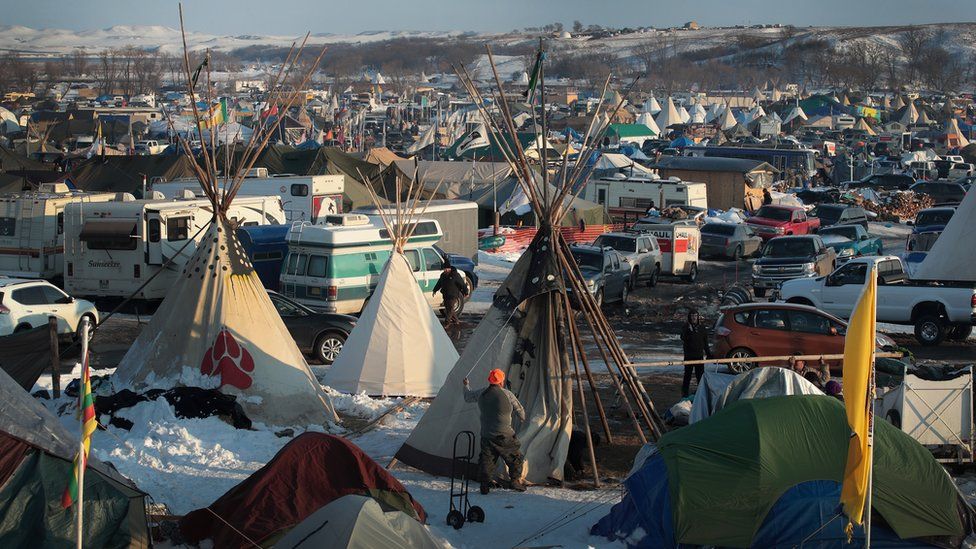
x: 913, y: 42
x: 79, y: 62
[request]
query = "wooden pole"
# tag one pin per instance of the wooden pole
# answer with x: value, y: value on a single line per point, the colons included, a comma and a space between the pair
x: 582, y: 397
x: 82, y: 458
x: 753, y: 359
x: 578, y: 349
x: 52, y: 323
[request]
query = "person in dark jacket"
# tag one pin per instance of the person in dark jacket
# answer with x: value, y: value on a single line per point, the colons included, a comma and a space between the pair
x: 694, y: 340
x: 767, y: 198
x: 451, y: 285
x: 496, y: 405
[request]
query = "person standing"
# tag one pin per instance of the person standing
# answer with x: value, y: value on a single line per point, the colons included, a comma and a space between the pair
x: 694, y: 340
x: 767, y: 198
x: 451, y: 285
x: 496, y: 406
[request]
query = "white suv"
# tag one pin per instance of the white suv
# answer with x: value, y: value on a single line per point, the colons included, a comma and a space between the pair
x: 26, y: 304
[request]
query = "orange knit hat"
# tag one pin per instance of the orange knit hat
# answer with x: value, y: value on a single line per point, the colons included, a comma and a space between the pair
x: 496, y: 377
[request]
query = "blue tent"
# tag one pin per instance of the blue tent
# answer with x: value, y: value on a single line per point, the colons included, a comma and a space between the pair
x: 681, y: 142
x: 572, y: 134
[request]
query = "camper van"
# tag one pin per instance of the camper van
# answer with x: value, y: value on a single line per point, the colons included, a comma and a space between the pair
x: 637, y: 193
x: 336, y: 267
x: 304, y: 198
x: 113, y: 248
x: 32, y: 229
x: 457, y: 218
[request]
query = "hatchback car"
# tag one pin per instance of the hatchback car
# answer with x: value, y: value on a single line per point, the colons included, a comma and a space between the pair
x: 26, y: 304
x: 781, y: 329
x: 316, y: 333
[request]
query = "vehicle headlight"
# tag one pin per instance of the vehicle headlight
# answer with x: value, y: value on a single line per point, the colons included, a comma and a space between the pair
x: 779, y: 230
x: 591, y: 284
x: 846, y: 252
x: 809, y: 268
x: 756, y: 269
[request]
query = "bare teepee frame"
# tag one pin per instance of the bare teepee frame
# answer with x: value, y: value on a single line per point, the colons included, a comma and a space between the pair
x: 551, y: 196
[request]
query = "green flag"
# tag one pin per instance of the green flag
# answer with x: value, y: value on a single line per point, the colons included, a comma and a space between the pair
x: 534, y: 79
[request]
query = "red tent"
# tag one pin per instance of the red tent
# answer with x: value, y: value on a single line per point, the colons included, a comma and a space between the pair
x: 308, y: 473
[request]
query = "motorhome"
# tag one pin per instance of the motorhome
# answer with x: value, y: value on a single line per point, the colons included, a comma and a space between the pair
x: 639, y: 193
x: 457, y: 218
x: 336, y: 267
x: 137, y: 248
x: 304, y: 198
x: 32, y: 229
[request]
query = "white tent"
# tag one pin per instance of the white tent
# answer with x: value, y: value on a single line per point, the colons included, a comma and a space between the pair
x: 714, y: 112
x: 953, y: 256
x: 684, y: 115
x: 794, y: 114
x: 954, y: 135
x: 357, y: 522
x: 398, y: 347
x: 698, y: 114
x: 668, y: 116
x: 617, y: 161
x: 652, y: 106
x: 646, y: 119
x: 758, y: 96
x: 910, y: 116
x: 727, y: 121
x: 718, y: 390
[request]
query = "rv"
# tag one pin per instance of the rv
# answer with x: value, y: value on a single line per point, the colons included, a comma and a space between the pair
x: 304, y: 198
x: 336, y: 267
x: 638, y: 193
x: 32, y: 229
x: 113, y: 249
x: 457, y: 218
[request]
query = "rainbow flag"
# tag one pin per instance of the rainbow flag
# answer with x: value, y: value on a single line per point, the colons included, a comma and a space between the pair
x: 86, y: 406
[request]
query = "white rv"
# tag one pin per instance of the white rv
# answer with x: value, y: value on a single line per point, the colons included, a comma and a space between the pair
x: 304, y: 198
x: 113, y: 248
x: 32, y: 229
x: 619, y: 191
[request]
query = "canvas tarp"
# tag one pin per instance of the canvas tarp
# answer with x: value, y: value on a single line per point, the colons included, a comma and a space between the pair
x: 308, y: 473
x: 26, y: 355
x: 398, y: 347
x: 124, y: 174
x: 520, y: 335
x: 358, y: 522
x: 953, y: 256
x: 11, y: 161
x: 36, y: 454
x: 718, y: 390
x: 217, y: 328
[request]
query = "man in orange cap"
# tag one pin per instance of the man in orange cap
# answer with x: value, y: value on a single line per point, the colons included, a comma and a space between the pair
x: 496, y: 405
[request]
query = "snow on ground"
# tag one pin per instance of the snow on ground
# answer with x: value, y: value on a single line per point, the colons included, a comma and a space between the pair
x: 492, y: 270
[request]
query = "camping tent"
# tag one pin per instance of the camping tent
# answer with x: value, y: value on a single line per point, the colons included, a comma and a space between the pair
x: 718, y: 390
x: 358, y: 522
x: 26, y: 355
x: 668, y: 116
x: 36, y: 454
x: 766, y: 472
x: 125, y: 173
x: 953, y: 257
x: 308, y: 473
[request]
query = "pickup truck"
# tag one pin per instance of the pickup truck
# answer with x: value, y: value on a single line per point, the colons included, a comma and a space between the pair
x: 850, y: 241
x: 772, y: 221
x: 788, y: 257
x: 938, y: 311
x: 928, y: 225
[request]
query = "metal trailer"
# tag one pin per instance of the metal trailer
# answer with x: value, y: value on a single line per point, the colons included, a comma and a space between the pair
x: 937, y: 414
x: 458, y: 220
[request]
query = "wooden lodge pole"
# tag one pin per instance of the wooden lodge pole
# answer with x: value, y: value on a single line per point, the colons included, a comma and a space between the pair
x: 52, y: 323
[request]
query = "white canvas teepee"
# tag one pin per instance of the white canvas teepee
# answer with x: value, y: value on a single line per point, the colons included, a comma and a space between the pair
x: 217, y: 327
x: 398, y: 347
x: 668, y: 116
x: 953, y: 256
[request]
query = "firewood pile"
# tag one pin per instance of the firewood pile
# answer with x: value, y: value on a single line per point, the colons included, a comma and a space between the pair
x: 896, y: 206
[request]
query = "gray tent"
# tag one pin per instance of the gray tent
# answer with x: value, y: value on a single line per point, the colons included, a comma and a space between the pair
x: 718, y: 390
x: 26, y: 355
x: 358, y: 522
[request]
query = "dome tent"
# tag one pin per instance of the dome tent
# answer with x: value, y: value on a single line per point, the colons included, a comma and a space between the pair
x: 748, y: 476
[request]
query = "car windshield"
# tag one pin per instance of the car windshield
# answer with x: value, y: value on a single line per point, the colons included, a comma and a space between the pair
x: 588, y: 260
x: 619, y: 243
x: 940, y: 217
x: 776, y: 214
x: 849, y: 232
x: 830, y: 214
x: 789, y: 247
x: 718, y: 228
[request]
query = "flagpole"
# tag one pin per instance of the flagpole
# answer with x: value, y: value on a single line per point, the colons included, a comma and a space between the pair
x: 82, y: 459
x: 870, y: 406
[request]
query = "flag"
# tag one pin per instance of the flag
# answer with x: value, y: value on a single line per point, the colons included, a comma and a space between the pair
x: 859, y: 345
x: 86, y: 407
x: 477, y: 139
x: 529, y: 92
x: 196, y: 73
x: 518, y: 202
x: 425, y: 140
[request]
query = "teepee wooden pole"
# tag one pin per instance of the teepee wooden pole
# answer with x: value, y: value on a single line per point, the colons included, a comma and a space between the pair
x: 579, y: 387
x: 579, y: 350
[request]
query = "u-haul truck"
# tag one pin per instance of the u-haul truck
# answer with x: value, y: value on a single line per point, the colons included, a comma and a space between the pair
x: 679, y: 245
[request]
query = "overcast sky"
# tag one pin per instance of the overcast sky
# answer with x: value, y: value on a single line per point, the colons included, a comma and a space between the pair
x: 351, y: 16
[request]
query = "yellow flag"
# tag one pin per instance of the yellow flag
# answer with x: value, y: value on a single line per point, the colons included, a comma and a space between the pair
x: 858, y: 398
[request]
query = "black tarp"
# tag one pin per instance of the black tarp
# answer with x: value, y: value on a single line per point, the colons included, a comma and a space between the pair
x: 26, y: 355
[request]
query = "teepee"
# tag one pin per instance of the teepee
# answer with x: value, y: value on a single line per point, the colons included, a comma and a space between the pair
x: 531, y: 332
x: 952, y: 257
x: 398, y: 347
x: 217, y: 327
x: 668, y: 116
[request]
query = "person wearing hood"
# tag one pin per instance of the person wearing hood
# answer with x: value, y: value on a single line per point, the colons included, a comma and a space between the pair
x: 694, y: 340
x: 451, y: 285
x: 496, y: 404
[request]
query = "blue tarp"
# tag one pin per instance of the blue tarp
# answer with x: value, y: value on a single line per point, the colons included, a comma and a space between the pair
x: 681, y: 142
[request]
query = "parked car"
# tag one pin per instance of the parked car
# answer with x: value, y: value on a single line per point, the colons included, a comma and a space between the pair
x: 642, y: 252
x: 927, y: 226
x: 882, y: 182
x: 316, y: 333
x: 818, y: 195
x: 729, y: 240
x: 26, y: 304
x: 772, y: 221
x: 606, y: 272
x: 937, y: 311
x: 850, y: 241
x: 788, y: 257
x: 840, y: 214
x: 942, y: 192
x: 781, y: 329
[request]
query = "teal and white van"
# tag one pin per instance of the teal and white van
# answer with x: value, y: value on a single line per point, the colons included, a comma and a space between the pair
x: 336, y: 267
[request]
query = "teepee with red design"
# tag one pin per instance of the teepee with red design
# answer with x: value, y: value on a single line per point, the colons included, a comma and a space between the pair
x: 217, y: 328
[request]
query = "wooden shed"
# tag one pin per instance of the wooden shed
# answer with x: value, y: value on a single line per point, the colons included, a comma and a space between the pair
x: 730, y: 182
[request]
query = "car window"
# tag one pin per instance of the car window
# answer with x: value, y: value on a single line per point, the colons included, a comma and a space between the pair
x: 317, y: 265
x: 614, y: 262
x: 742, y: 317
x: 154, y: 230
x: 285, y: 308
x: 32, y: 295
x: 770, y: 319
x: 890, y: 267
x: 852, y: 273
x: 809, y: 323
x: 53, y: 295
x: 432, y: 261
x: 177, y: 229
x: 413, y: 258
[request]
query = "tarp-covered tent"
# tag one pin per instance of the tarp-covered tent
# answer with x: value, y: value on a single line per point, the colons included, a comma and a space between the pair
x: 26, y: 355
x: 125, y: 173
x: 333, y: 161
x: 382, y: 156
x: 734, y: 479
x: 11, y: 161
x: 953, y: 256
x: 308, y: 473
x: 718, y: 390
x: 358, y: 522
x: 36, y: 454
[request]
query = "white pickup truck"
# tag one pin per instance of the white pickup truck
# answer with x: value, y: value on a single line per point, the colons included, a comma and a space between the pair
x: 937, y: 310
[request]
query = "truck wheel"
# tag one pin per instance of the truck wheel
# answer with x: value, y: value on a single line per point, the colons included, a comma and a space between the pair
x: 760, y: 292
x: 737, y: 253
x: 599, y: 297
x: 692, y: 275
x: 930, y: 330
x: 633, y: 277
x: 651, y: 282
x: 959, y: 332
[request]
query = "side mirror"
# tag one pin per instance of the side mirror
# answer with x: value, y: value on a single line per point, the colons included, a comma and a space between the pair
x: 643, y: 251
x: 864, y: 237
x: 909, y: 222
